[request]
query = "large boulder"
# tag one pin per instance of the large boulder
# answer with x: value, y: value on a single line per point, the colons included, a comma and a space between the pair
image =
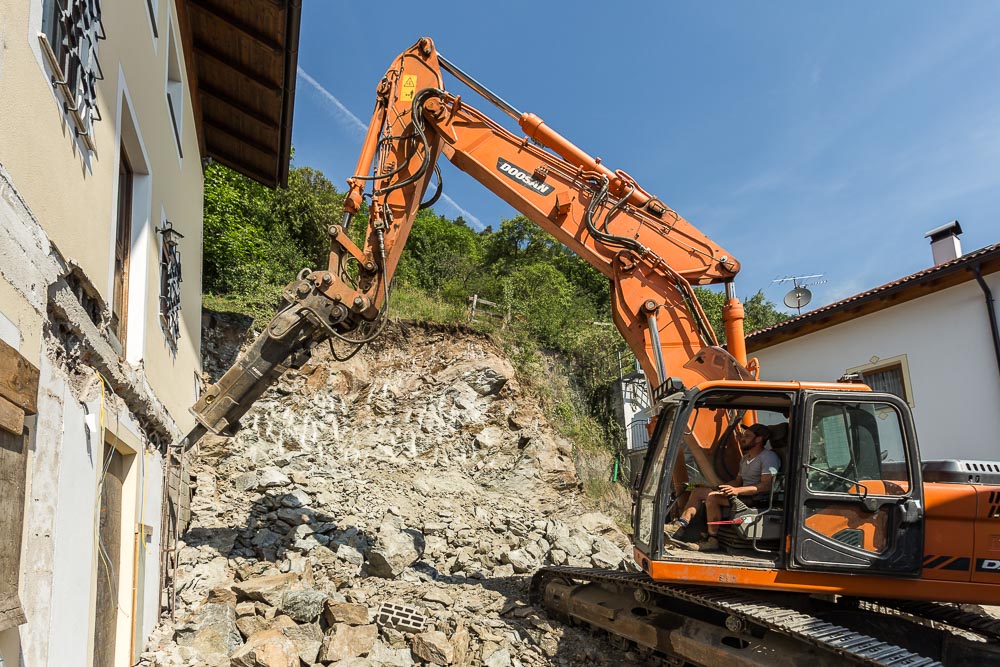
x: 303, y: 606
x: 486, y: 381
x: 213, y: 631
x: 268, y: 589
x: 395, y: 549
x: 433, y: 646
x: 267, y: 648
x: 348, y: 641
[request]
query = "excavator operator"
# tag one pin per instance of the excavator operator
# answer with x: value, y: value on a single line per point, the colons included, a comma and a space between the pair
x: 757, y: 470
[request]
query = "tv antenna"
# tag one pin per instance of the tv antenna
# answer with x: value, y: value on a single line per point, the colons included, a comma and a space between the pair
x: 799, y: 296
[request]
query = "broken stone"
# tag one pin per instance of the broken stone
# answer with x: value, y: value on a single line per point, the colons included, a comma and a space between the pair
x: 269, y: 478
x: 268, y: 589
x: 245, y: 482
x: 303, y: 606
x: 296, y: 498
x: 394, y: 551
x: 433, y: 646
x: 439, y: 596
x: 213, y: 631
x: 486, y: 381
x: 293, y: 516
x: 500, y: 658
x: 267, y: 648
x: 345, y: 612
x: 460, y: 643
x: 520, y: 560
x: 308, y: 639
x: 348, y: 553
x: 251, y: 625
x: 348, y: 641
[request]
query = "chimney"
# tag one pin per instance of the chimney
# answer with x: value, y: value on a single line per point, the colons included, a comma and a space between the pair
x: 945, y: 245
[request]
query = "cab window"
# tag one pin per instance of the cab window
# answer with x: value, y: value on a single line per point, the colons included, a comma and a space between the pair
x: 857, y: 448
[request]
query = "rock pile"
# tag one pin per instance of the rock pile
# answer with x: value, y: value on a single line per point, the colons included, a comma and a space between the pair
x: 385, y: 511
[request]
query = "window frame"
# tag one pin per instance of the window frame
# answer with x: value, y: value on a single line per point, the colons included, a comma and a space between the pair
x: 123, y: 243
x: 173, y: 86
x: 875, y: 364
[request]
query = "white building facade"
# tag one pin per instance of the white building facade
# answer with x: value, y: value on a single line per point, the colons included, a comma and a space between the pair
x: 929, y: 337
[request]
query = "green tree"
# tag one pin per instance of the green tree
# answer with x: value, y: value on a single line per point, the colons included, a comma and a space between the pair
x: 440, y: 253
x: 257, y: 239
x: 759, y: 312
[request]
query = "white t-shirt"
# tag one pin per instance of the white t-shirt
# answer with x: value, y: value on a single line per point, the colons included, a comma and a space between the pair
x: 765, y: 463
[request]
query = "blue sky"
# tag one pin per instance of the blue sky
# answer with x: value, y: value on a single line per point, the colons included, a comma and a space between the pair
x: 805, y: 138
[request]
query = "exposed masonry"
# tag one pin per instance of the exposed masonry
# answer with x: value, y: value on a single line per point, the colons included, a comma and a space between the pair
x: 70, y: 305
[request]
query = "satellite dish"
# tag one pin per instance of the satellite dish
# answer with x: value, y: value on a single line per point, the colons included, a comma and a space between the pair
x: 798, y: 297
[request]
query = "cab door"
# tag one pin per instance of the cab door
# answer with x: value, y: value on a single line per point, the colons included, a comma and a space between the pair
x: 858, y: 486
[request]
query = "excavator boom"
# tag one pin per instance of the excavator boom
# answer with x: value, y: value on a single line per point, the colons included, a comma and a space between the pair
x: 651, y: 255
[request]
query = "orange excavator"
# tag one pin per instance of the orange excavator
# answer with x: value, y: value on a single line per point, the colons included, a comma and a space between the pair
x: 859, y: 553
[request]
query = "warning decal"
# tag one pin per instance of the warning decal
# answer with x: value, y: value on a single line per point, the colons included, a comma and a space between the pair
x: 409, y: 87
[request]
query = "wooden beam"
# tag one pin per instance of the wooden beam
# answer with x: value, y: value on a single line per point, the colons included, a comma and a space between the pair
x: 11, y: 417
x: 237, y: 24
x: 191, y: 67
x: 251, y: 75
x: 13, y: 473
x: 236, y: 135
x: 236, y: 164
x: 18, y: 379
x: 237, y: 106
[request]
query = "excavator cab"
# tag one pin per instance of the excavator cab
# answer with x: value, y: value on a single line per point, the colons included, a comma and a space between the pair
x: 848, y: 497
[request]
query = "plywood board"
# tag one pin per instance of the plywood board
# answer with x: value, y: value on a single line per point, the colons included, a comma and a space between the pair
x: 13, y: 464
x: 18, y: 379
x: 11, y: 417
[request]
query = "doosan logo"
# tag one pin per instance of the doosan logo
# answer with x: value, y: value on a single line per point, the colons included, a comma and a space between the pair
x: 517, y: 174
x: 987, y: 565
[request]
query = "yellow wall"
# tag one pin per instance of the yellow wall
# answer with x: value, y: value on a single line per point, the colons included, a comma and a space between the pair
x: 74, y: 195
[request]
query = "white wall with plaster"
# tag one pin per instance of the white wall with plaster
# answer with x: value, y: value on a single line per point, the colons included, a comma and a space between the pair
x: 949, y: 351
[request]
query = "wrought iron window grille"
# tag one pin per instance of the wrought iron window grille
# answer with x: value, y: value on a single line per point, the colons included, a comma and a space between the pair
x: 69, y: 43
x: 170, y: 282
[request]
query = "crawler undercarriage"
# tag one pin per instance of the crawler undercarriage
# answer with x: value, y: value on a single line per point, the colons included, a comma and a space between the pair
x: 677, y: 625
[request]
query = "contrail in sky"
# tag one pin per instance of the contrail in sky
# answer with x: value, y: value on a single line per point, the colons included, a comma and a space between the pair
x: 342, y: 113
x: 356, y: 127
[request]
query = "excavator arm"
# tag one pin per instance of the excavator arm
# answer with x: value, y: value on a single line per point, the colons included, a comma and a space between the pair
x: 651, y: 255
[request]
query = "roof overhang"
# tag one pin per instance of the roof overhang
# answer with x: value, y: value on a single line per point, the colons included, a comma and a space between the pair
x: 242, y: 57
x: 922, y: 283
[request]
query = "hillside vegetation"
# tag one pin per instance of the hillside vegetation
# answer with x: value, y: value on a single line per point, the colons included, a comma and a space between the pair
x: 551, y: 303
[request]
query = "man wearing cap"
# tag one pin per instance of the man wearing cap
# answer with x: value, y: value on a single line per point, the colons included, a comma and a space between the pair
x: 757, y: 470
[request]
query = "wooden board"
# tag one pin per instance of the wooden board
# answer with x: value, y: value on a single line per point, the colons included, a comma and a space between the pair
x: 18, y: 379
x: 110, y: 534
x: 13, y: 464
x: 11, y: 417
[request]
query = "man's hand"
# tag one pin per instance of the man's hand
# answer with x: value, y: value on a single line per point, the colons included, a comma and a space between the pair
x: 728, y: 490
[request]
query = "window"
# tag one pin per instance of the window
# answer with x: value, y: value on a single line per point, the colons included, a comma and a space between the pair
x: 890, y: 376
x: 123, y: 243
x: 857, y: 448
x: 71, y: 30
x: 152, y: 6
x: 175, y: 92
x: 170, y: 283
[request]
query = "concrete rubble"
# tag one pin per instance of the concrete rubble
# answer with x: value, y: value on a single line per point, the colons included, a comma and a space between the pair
x: 388, y: 510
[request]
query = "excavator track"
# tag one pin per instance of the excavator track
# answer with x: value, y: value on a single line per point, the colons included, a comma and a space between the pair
x: 953, y: 615
x: 564, y: 590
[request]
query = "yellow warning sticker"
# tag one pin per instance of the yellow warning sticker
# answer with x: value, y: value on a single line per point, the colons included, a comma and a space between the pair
x: 409, y: 87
